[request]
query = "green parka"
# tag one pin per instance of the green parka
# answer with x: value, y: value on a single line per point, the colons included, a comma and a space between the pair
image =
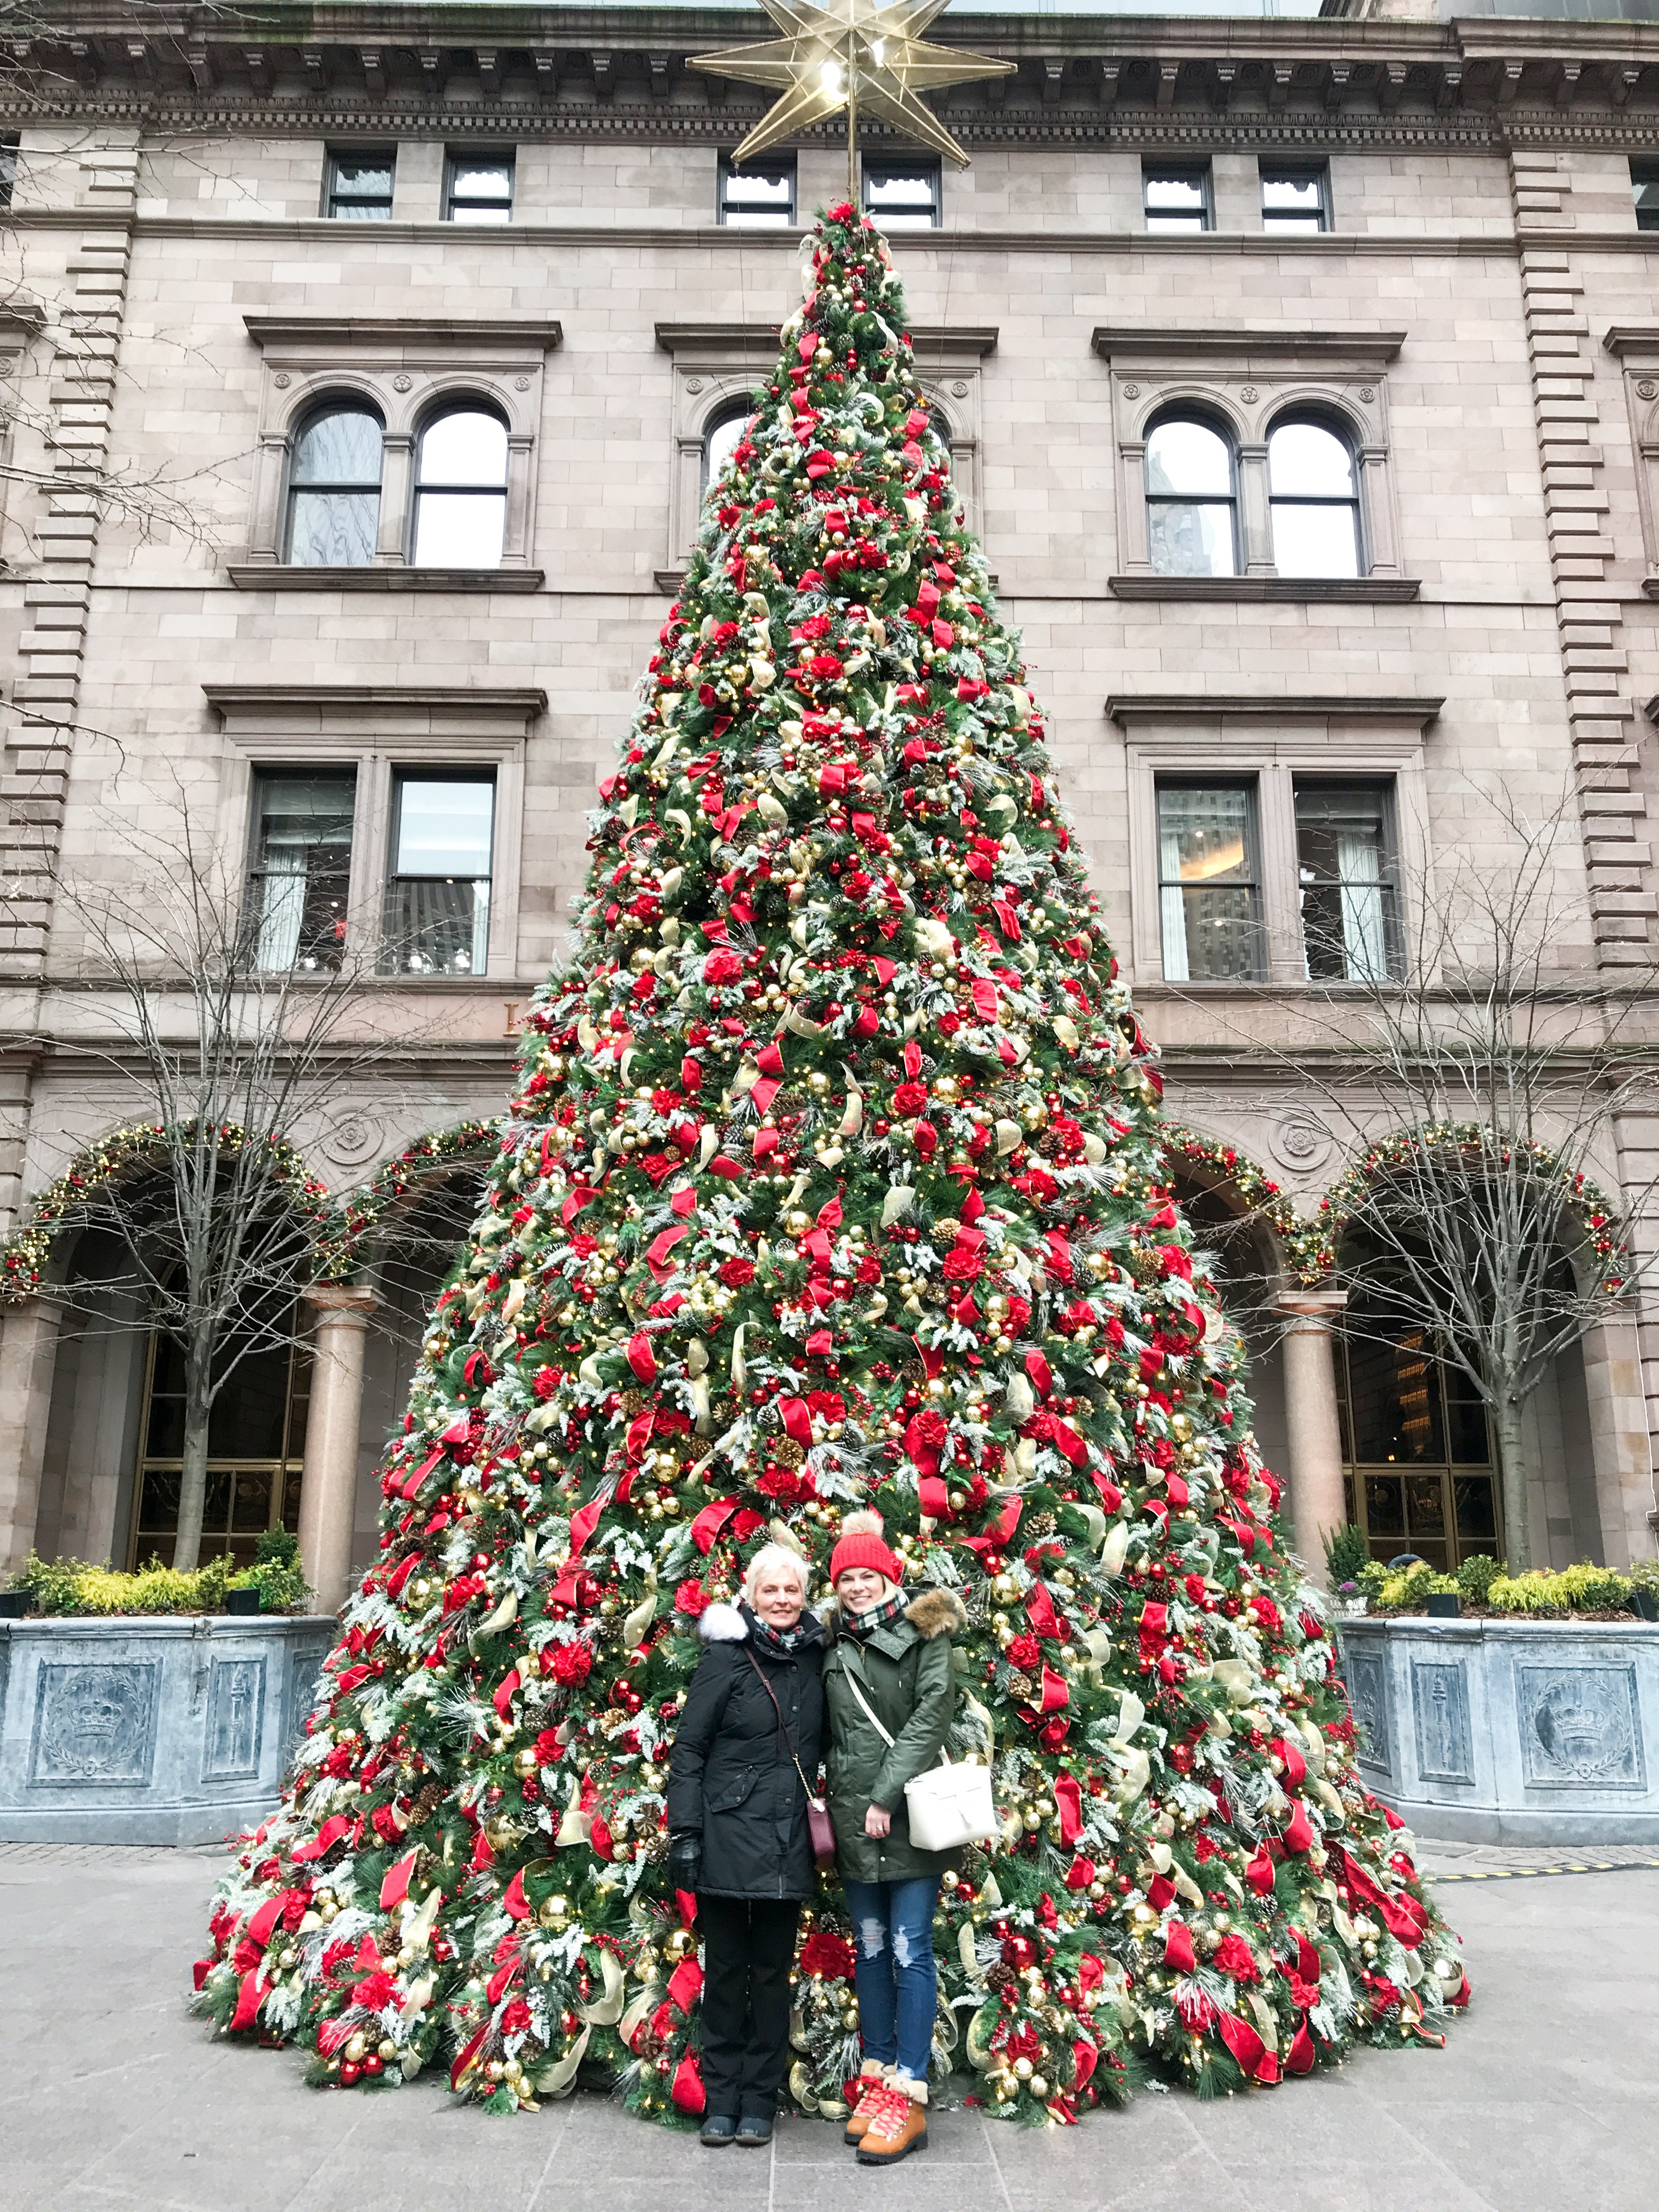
x: 907, y: 1671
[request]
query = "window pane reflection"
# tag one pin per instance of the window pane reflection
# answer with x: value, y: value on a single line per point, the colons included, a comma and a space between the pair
x: 1208, y: 888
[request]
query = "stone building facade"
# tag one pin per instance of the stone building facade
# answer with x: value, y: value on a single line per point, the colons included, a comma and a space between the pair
x: 1302, y: 377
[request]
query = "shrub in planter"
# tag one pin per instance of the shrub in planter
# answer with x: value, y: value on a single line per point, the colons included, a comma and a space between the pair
x: 1371, y: 1579
x: 66, y: 1589
x: 1575, y: 1590
x: 1476, y: 1576
x: 1409, y: 1590
x: 1346, y: 1553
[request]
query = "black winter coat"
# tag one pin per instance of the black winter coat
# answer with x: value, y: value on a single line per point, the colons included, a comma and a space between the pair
x: 732, y: 1776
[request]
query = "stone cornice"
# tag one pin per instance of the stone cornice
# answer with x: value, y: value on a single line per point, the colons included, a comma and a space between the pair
x: 1215, y: 342
x: 398, y: 330
x: 1128, y: 707
x: 725, y: 338
x: 1329, y: 245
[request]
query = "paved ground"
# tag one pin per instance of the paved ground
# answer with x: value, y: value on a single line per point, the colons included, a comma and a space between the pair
x: 113, y: 2100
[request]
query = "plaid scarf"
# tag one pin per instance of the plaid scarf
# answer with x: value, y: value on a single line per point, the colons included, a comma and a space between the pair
x: 782, y: 1641
x: 879, y: 1616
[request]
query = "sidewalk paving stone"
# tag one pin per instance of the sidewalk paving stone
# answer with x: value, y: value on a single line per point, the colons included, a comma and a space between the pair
x: 115, y: 2099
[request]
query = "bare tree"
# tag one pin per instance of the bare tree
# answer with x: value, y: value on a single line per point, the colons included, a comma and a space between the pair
x: 233, y: 1038
x: 1479, y: 1065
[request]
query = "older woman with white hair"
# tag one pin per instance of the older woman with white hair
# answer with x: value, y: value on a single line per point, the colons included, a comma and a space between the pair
x: 745, y: 1753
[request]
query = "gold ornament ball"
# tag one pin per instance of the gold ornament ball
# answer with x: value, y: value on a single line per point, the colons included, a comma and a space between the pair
x: 1023, y: 2070
x: 1039, y: 2085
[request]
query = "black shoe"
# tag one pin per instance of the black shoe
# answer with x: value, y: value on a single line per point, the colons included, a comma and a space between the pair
x: 718, y: 2129
x: 755, y: 2128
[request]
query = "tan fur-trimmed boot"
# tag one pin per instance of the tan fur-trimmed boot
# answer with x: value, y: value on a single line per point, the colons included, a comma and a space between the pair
x: 874, y: 2080
x: 898, y: 2124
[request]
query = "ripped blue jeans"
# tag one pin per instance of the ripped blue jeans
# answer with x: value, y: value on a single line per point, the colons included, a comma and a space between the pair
x: 897, y: 1983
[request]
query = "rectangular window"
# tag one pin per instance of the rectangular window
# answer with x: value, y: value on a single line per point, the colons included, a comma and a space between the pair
x: 1644, y: 191
x: 478, y: 188
x: 358, y: 185
x: 760, y: 196
x: 1208, y: 884
x: 902, y: 193
x: 301, y: 869
x: 1348, y: 882
x: 1296, y: 198
x: 437, y: 907
x: 1176, y: 196
x: 7, y: 170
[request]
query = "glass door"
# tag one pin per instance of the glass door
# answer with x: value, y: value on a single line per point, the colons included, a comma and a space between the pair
x: 256, y: 1452
x: 1417, y: 1452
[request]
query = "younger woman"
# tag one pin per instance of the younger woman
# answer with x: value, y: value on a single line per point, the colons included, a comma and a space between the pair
x: 889, y: 1693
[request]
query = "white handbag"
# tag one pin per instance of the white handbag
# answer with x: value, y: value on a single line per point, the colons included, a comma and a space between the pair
x: 947, y: 1806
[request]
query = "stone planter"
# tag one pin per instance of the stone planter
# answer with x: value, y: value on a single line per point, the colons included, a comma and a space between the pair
x: 1510, y: 1731
x: 151, y: 1731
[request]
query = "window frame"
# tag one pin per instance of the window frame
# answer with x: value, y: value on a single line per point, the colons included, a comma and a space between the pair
x: 929, y: 164
x: 333, y: 156
x: 440, y: 412
x: 408, y: 372
x: 319, y: 410
x: 462, y: 157
x: 254, y: 876
x: 11, y: 148
x: 727, y: 172
x: 716, y: 366
x: 1249, y: 380
x: 1199, y: 172
x: 376, y: 730
x: 1644, y: 173
x: 1220, y: 427
x: 1249, y: 786
x: 1231, y: 739
x: 1273, y: 172
x: 1386, y: 788
x: 1294, y: 417
x: 723, y: 411
x: 404, y: 772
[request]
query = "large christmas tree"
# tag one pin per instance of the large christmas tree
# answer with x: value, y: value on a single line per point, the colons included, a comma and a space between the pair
x: 833, y: 1179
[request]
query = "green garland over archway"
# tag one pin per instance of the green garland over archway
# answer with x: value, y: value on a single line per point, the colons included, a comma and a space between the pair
x: 1587, y: 1200
x: 25, y: 1256
x: 356, y: 1215
x: 1308, y: 1248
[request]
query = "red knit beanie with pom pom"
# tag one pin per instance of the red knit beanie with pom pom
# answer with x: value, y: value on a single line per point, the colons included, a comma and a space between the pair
x: 860, y: 1546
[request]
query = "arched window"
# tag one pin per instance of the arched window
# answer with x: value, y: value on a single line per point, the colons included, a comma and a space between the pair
x: 334, y: 489
x: 460, y: 491
x: 1191, y: 499
x: 1313, y: 500
x: 721, y: 439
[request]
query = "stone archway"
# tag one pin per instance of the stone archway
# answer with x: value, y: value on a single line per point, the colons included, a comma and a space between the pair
x: 1270, y: 1264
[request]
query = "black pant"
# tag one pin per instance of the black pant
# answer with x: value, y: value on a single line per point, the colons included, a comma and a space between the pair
x: 748, y: 1948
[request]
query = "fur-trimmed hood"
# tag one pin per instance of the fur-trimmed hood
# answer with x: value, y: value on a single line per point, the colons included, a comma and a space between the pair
x: 931, y: 1612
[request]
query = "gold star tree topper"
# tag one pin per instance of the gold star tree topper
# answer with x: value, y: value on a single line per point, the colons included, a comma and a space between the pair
x: 862, y: 55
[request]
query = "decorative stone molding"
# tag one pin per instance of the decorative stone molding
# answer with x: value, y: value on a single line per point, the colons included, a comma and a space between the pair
x: 1244, y: 380
x: 717, y: 366
x: 149, y: 1731
x: 1269, y: 741
x: 1510, y: 1731
x: 377, y: 728
x: 407, y: 370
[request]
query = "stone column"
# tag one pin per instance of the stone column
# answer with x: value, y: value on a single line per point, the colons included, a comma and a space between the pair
x: 328, y: 1488
x: 1313, y: 1433
x: 28, y: 1357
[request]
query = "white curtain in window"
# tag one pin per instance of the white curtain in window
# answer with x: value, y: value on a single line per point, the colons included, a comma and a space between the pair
x: 284, y: 906
x: 1364, y: 953
x: 1172, y: 907
x: 480, y: 926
